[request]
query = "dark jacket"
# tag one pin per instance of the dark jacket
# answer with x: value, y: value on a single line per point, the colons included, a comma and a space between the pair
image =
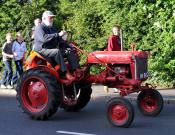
x: 46, y: 37
x: 7, y: 48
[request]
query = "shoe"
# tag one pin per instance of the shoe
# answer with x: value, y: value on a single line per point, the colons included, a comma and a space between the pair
x: 3, y: 86
x: 66, y: 82
x: 116, y: 90
x: 9, y: 87
x: 69, y: 77
x: 14, y: 86
x: 79, y: 73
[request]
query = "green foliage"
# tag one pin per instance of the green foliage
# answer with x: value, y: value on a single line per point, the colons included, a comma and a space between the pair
x: 15, y: 16
x: 148, y: 23
x: 19, y: 17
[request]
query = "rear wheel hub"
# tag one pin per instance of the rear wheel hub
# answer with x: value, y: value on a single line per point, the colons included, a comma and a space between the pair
x: 34, y: 94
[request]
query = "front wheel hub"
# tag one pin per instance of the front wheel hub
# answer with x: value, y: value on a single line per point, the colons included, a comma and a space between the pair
x: 119, y: 113
x: 149, y: 104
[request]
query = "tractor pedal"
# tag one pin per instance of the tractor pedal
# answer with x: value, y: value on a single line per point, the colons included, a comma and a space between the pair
x: 70, y: 101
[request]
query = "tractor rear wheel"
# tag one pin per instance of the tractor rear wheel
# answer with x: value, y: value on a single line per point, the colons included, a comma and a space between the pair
x: 82, y: 96
x: 150, y: 102
x: 120, y: 112
x: 38, y: 94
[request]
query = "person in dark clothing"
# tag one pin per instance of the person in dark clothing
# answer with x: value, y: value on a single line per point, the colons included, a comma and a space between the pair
x: 114, y: 42
x: 37, y: 21
x: 7, y: 60
x: 48, y: 43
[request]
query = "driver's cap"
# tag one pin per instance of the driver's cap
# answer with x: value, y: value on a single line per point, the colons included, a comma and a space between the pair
x: 47, y: 13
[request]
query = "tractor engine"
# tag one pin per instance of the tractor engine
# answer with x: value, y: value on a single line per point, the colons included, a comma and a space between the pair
x: 123, y: 68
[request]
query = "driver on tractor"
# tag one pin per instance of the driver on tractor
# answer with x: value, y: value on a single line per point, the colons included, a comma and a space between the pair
x: 49, y: 44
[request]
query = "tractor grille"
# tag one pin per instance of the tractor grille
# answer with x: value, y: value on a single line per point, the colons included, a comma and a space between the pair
x: 141, y: 68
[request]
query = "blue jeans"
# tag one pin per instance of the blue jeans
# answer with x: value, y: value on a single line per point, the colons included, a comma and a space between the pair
x: 15, y: 78
x: 19, y: 71
x: 19, y: 66
x: 7, y: 75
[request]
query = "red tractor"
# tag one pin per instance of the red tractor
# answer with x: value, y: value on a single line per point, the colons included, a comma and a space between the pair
x: 40, y: 91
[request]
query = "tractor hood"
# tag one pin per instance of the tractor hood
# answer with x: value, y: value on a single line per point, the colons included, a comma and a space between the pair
x: 112, y: 57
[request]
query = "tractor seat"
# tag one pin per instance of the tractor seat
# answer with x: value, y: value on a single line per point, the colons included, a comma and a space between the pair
x: 36, y: 58
x: 46, y: 58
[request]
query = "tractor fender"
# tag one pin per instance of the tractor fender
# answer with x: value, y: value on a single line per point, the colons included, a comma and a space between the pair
x: 48, y: 69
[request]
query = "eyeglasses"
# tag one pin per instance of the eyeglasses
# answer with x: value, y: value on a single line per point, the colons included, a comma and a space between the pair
x: 50, y: 17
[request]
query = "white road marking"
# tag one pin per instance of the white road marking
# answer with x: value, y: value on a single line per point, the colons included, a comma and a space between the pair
x: 72, y: 133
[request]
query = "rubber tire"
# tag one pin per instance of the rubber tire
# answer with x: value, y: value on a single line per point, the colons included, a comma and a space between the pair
x: 82, y: 101
x: 54, y: 94
x: 156, y: 95
x: 127, y: 104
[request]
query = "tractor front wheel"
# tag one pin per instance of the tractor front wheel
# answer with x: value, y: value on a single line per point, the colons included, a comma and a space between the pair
x: 38, y: 94
x: 150, y: 102
x: 120, y: 112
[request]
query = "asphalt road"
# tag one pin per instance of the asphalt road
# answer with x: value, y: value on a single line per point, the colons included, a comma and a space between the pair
x: 90, y: 121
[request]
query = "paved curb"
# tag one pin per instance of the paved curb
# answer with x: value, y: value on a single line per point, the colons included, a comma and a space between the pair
x: 168, y: 95
x: 166, y: 100
x: 7, y: 92
x: 169, y: 101
x: 132, y: 98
